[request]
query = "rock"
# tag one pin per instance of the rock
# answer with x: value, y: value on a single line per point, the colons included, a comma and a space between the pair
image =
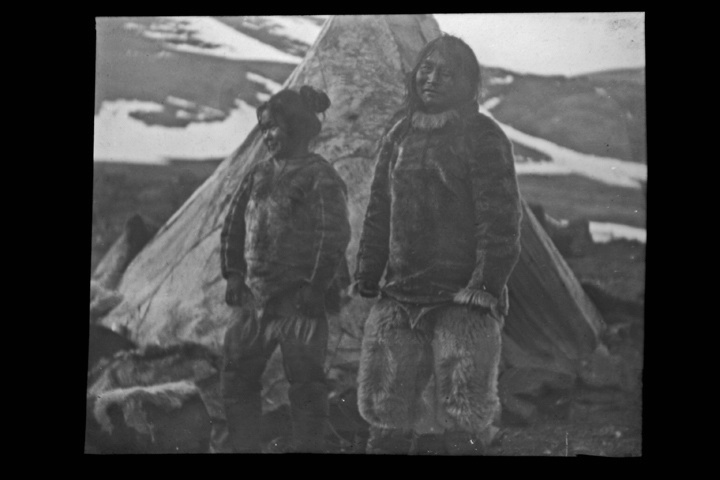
x: 613, y: 307
x: 603, y: 369
x: 524, y: 392
x: 571, y: 237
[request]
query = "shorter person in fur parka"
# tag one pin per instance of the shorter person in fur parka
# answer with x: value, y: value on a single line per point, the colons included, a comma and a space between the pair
x: 443, y: 224
x: 282, y: 244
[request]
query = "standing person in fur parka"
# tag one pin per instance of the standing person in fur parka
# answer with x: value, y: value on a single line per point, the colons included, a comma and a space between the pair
x: 443, y: 223
x: 282, y: 244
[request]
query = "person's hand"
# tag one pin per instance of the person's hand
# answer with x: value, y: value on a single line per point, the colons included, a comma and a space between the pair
x: 311, y: 300
x: 368, y: 289
x: 237, y: 293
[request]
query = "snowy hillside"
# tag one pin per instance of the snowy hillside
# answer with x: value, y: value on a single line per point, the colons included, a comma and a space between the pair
x: 564, y: 160
x: 187, y: 88
x: 209, y: 36
x: 160, y: 124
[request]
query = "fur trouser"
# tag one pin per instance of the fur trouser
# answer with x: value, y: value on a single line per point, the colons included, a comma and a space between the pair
x: 249, y: 344
x: 459, y: 344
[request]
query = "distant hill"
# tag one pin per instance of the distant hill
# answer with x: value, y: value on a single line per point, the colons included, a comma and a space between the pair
x: 601, y: 114
x: 157, y: 60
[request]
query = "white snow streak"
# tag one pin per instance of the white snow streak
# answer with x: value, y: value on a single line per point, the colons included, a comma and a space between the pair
x: 506, y: 80
x: 491, y: 103
x: 604, y: 169
x: 272, y: 86
x: 119, y: 137
x: 604, y: 232
x: 298, y: 28
x: 229, y: 42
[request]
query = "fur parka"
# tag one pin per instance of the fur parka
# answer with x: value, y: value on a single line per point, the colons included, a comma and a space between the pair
x: 287, y: 226
x: 444, y: 212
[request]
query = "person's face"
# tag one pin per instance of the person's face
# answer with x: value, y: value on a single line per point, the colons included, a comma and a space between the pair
x: 276, y: 134
x: 440, y: 84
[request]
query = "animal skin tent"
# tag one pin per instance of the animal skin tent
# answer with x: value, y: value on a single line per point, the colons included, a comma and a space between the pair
x: 173, y: 290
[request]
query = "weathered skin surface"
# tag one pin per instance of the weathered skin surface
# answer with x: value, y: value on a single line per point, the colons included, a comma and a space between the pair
x: 173, y: 290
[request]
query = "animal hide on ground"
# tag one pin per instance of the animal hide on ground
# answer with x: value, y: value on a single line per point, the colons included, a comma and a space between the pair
x: 164, y: 418
x: 154, y: 399
x: 168, y: 396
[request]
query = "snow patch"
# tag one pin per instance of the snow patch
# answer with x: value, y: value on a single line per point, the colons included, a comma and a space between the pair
x: 565, y: 161
x: 272, y: 86
x: 119, y: 137
x: 297, y: 28
x: 491, y: 103
x: 541, y: 168
x: 604, y: 169
x: 180, y: 102
x: 209, y: 36
x: 188, y: 109
x: 506, y: 80
x: 604, y: 232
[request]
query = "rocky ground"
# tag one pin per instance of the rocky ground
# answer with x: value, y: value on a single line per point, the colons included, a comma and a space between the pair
x: 600, y: 423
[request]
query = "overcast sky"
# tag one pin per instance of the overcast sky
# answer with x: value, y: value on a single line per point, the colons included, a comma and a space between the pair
x: 552, y: 43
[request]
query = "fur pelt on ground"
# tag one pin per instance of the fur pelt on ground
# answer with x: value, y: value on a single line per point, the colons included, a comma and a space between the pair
x: 154, y: 399
x: 168, y: 396
x: 165, y: 418
x: 153, y: 365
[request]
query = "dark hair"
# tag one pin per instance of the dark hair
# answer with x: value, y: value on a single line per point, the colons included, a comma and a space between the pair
x: 459, y: 53
x: 299, y: 109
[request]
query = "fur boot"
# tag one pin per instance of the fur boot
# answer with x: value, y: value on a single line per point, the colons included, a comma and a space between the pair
x: 466, y: 348
x: 395, y: 367
x: 243, y: 423
x: 309, y: 413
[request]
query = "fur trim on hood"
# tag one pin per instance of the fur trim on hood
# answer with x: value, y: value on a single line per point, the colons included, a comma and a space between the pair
x: 433, y: 121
